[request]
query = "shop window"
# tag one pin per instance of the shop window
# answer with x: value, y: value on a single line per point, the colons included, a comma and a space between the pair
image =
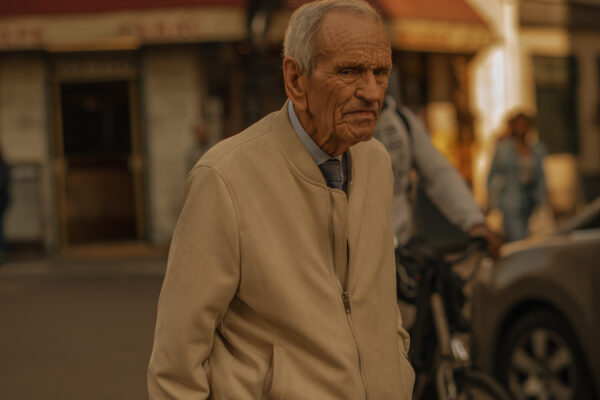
x: 243, y: 86
x: 555, y: 82
x: 264, y: 91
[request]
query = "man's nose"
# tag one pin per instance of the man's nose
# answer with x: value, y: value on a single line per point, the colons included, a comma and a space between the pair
x: 367, y: 88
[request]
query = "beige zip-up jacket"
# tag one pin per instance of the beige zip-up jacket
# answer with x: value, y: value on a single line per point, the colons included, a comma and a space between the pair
x: 262, y: 299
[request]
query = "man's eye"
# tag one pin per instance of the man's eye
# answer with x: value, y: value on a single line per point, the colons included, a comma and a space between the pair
x: 348, y: 71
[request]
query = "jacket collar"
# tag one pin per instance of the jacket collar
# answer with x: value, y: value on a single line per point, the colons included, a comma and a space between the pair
x: 313, y: 148
x: 293, y: 149
x: 301, y: 160
x: 303, y: 164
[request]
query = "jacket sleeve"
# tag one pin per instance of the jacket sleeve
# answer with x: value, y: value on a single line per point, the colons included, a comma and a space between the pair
x: 442, y: 183
x: 201, y: 279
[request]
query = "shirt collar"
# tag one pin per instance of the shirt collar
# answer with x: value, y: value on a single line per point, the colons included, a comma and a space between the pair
x: 315, y: 151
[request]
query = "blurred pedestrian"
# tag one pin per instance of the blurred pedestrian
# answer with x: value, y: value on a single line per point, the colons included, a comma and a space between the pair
x: 516, y: 182
x: 410, y: 148
x: 4, y: 201
x: 280, y: 280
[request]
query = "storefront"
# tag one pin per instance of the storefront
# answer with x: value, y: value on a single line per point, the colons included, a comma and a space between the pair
x: 560, y: 54
x: 97, y: 108
x: 98, y: 154
x: 434, y: 43
x: 99, y: 102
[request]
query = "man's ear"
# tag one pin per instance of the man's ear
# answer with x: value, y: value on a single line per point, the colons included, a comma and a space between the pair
x: 294, y: 80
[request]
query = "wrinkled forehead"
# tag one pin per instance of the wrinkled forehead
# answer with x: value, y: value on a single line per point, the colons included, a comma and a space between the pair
x: 345, y: 34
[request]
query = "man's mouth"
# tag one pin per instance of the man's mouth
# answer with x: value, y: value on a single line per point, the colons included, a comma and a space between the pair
x: 361, y: 113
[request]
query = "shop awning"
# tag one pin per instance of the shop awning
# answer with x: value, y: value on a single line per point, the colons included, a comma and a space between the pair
x: 435, y: 25
x: 68, y: 25
x: 65, y: 25
x: 446, y: 26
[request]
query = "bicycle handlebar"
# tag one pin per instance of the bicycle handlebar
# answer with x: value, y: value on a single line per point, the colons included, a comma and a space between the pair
x: 478, y: 243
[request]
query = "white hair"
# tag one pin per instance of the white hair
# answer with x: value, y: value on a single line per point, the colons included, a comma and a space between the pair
x: 305, y: 23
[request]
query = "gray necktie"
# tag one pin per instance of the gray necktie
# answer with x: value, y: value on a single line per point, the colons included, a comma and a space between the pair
x: 332, y: 173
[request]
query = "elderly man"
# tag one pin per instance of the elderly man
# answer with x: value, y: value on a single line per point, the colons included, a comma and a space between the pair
x: 281, y: 278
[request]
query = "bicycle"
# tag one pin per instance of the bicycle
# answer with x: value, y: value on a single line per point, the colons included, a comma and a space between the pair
x: 439, y: 355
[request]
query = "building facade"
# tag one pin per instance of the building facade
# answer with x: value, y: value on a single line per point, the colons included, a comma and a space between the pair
x: 97, y: 110
x: 546, y: 60
x: 99, y: 101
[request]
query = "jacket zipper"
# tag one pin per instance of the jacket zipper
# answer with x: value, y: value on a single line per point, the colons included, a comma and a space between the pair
x: 348, y: 309
x: 346, y: 303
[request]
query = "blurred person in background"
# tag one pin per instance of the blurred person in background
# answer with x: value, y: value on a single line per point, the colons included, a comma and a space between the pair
x: 516, y: 181
x: 410, y: 148
x: 4, y: 201
x: 280, y: 279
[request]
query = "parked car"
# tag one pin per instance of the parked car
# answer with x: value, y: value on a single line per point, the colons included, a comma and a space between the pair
x: 536, y: 313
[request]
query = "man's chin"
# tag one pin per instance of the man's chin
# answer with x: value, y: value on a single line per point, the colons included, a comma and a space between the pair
x: 351, y: 135
x: 364, y: 133
x: 361, y: 136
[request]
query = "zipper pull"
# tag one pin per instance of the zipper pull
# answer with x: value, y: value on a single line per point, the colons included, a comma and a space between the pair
x: 346, y: 301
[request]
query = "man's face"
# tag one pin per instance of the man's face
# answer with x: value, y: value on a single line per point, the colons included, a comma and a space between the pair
x: 344, y: 93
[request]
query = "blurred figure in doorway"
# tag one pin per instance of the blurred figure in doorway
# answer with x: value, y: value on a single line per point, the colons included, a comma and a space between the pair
x: 516, y: 181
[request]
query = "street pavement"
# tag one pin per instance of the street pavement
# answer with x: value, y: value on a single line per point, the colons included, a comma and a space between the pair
x: 77, y: 328
x: 80, y: 326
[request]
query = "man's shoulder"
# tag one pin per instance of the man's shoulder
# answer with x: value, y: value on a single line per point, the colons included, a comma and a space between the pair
x: 373, y: 150
x: 373, y: 147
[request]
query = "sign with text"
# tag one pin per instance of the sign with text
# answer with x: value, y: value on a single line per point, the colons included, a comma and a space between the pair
x: 123, y: 29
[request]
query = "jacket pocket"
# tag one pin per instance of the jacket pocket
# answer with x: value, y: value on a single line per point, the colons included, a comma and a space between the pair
x: 275, y: 381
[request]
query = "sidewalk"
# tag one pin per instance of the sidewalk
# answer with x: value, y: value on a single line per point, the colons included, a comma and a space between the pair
x: 91, y: 261
x: 79, y: 324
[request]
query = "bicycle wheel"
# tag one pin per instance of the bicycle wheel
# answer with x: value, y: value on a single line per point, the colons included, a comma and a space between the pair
x: 476, y: 385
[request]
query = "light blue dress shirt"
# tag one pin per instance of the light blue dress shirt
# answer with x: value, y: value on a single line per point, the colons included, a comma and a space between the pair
x: 314, y: 150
